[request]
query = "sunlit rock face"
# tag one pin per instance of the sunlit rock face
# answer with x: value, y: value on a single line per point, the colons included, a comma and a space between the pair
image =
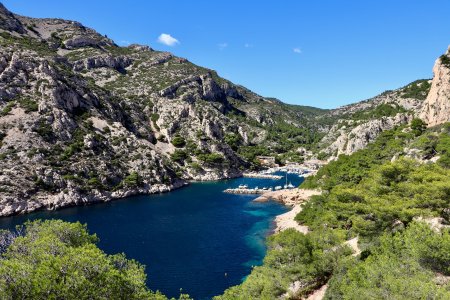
x: 436, y: 108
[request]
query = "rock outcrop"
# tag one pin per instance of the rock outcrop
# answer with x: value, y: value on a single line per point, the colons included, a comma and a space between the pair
x: 9, y: 22
x: 436, y: 108
x: 351, y: 140
x: 357, y: 125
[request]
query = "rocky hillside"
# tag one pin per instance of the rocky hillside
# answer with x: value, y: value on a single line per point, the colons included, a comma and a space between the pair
x: 83, y: 120
x: 359, y: 124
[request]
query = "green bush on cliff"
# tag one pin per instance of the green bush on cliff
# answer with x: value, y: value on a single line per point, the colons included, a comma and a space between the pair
x: 28, y: 105
x: 233, y: 140
x: 132, y: 180
x: 178, y: 141
x: 445, y: 60
x: 418, y: 126
x: 211, y: 158
x: 382, y: 110
x: 179, y: 156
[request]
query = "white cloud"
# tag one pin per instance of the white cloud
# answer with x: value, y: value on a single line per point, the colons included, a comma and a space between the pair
x: 297, y: 50
x: 167, y: 40
x: 222, y: 45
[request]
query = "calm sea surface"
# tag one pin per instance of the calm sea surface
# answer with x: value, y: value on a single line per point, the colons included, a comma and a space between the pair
x: 188, y: 238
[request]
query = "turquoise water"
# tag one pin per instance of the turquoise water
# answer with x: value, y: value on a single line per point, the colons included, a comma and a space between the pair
x: 188, y: 238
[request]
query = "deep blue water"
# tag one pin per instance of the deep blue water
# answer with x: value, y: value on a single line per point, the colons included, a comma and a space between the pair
x: 188, y: 238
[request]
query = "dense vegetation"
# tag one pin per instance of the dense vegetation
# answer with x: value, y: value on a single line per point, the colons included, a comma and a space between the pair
x: 405, y: 265
x: 389, y: 206
x: 292, y: 256
x: 59, y: 260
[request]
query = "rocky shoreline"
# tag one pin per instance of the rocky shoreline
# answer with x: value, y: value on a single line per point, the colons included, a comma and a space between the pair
x: 72, y: 197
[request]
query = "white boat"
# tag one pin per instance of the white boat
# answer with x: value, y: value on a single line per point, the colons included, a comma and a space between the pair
x: 278, y: 187
x: 286, y: 184
x: 290, y: 186
x: 243, y: 186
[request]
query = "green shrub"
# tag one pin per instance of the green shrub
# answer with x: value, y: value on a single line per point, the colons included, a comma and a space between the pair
x: 28, y: 105
x: 445, y: 60
x: 154, y: 118
x: 132, y: 180
x: 418, y: 126
x: 211, y: 158
x: 106, y: 130
x: 178, y: 141
x: 233, y: 140
x: 7, y: 109
x: 44, y: 130
x: 179, y: 156
x: 71, y: 150
x: 196, y: 167
x: 60, y: 260
x: 403, y: 266
x: 95, y: 182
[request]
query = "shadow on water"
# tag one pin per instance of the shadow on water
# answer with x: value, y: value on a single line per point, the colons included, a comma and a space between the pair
x: 188, y: 238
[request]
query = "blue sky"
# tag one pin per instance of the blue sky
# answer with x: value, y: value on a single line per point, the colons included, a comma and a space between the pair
x: 319, y: 53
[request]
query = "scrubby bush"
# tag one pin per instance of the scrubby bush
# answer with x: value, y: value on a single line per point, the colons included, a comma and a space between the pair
x: 28, y: 105
x: 178, y: 141
x: 179, y: 155
x: 59, y: 260
x: 211, y: 158
x: 403, y: 266
x: 132, y: 180
x: 418, y: 126
x: 233, y: 140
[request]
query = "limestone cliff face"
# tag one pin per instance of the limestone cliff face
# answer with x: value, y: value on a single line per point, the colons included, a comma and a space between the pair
x: 436, y: 108
x: 361, y: 123
x: 347, y: 140
x: 84, y: 120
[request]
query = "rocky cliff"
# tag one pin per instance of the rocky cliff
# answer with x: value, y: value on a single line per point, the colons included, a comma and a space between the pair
x: 83, y: 120
x: 436, y: 108
x: 359, y: 124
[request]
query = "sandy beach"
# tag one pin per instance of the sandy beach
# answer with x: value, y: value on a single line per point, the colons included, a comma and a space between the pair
x: 294, y: 198
x: 287, y: 220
